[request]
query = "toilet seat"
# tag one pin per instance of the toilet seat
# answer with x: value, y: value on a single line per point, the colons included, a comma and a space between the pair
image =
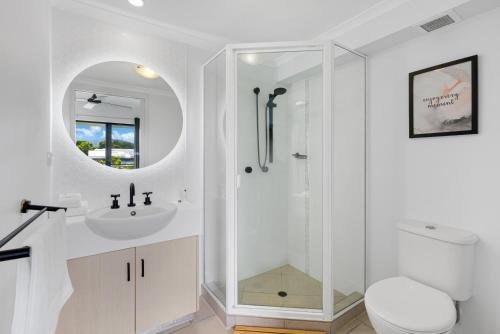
x: 408, y: 306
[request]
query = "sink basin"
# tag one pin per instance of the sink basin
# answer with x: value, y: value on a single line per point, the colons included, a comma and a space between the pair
x: 130, y: 222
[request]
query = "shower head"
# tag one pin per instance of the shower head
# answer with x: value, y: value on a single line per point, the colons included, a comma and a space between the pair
x: 279, y: 91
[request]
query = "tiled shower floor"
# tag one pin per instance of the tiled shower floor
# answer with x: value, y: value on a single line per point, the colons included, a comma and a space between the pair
x: 302, y: 290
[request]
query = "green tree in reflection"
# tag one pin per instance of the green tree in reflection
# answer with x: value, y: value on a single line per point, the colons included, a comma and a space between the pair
x: 84, y: 146
x: 117, y: 144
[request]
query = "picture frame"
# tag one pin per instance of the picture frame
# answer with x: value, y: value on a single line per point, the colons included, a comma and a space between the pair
x: 443, y: 99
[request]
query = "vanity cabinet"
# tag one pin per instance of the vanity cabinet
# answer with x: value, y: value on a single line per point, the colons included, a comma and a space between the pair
x: 166, y: 282
x: 132, y: 290
x: 104, y: 295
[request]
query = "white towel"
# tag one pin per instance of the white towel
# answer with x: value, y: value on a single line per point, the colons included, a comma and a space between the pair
x: 43, y: 285
x: 70, y: 200
x: 81, y: 211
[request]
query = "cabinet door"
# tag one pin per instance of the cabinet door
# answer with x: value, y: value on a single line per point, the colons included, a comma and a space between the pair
x: 167, y: 282
x: 103, y: 301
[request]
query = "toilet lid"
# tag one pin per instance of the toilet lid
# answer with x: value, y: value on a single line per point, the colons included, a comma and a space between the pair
x: 410, y: 305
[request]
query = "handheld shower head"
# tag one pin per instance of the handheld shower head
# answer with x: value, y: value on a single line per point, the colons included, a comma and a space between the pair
x: 279, y: 91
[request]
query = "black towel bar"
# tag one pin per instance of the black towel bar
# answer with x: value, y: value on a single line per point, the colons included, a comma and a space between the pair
x: 17, y: 253
x: 26, y: 205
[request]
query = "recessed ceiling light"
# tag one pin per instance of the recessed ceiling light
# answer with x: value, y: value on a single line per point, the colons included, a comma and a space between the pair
x: 136, y: 3
x: 146, y: 72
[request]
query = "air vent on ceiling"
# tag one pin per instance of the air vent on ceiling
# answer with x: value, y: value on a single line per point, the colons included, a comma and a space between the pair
x: 438, y: 23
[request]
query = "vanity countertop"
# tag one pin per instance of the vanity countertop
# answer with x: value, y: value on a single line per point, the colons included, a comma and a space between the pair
x: 83, y: 242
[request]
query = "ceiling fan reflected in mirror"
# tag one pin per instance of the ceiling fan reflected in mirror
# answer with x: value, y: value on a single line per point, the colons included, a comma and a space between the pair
x: 93, y: 101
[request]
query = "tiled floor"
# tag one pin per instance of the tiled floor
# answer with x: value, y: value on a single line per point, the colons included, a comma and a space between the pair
x: 212, y: 325
x: 358, y: 325
x: 262, y: 290
x: 303, y: 291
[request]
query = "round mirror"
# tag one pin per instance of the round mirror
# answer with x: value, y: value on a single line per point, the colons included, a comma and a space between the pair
x: 122, y: 115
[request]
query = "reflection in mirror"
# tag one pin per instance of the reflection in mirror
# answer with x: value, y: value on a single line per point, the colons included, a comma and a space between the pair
x: 122, y: 115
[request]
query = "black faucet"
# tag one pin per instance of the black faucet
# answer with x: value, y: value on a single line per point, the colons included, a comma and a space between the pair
x: 115, y: 201
x: 147, y: 200
x: 132, y: 194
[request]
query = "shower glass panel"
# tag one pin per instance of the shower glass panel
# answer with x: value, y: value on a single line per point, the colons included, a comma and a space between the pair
x: 348, y: 178
x: 215, y: 176
x: 279, y: 102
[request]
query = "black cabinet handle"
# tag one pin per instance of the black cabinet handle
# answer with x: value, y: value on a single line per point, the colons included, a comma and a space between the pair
x: 128, y: 271
x: 142, y: 267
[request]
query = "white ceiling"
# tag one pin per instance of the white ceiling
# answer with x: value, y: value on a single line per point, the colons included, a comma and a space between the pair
x: 123, y: 74
x: 244, y: 20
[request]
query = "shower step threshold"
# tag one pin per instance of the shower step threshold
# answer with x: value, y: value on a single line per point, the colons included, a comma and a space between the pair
x: 266, y: 330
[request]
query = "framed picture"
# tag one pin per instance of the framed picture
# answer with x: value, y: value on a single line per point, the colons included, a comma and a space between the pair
x: 444, y: 99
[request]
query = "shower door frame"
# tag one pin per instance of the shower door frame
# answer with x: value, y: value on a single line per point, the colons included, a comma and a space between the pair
x: 232, y: 305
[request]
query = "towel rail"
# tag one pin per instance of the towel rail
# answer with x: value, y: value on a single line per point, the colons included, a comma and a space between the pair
x: 17, y: 253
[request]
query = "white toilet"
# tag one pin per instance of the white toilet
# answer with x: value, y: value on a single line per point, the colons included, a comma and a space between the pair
x: 435, y: 268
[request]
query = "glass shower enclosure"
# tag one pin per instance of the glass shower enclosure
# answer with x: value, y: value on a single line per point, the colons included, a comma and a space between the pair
x: 284, y: 179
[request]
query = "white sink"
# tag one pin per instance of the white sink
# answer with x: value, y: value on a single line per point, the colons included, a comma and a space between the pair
x: 130, y: 222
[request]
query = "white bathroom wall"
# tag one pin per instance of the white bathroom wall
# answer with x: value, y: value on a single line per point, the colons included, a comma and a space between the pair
x: 25, y: 126
x: 194, y: 128
x: 280, y: 212
x: 214, y: 133
x: 178, y: 64
x: 349, y: 173
x: 299, y: 222
x: 448, y: 180
x: 316, y: 162
x: 262, y: 197
x: 305, y: 225
x: 298, y: 231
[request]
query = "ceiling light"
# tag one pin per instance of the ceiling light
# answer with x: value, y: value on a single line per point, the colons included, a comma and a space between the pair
x: 251, y: 58
x: 136, y: 3
x: 146, y: 72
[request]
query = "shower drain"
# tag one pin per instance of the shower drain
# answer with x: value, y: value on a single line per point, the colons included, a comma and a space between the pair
x: 282, y: 294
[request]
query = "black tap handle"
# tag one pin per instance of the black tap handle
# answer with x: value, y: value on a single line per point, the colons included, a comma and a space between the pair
x: 115, y: 204
x: 147, y: 200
